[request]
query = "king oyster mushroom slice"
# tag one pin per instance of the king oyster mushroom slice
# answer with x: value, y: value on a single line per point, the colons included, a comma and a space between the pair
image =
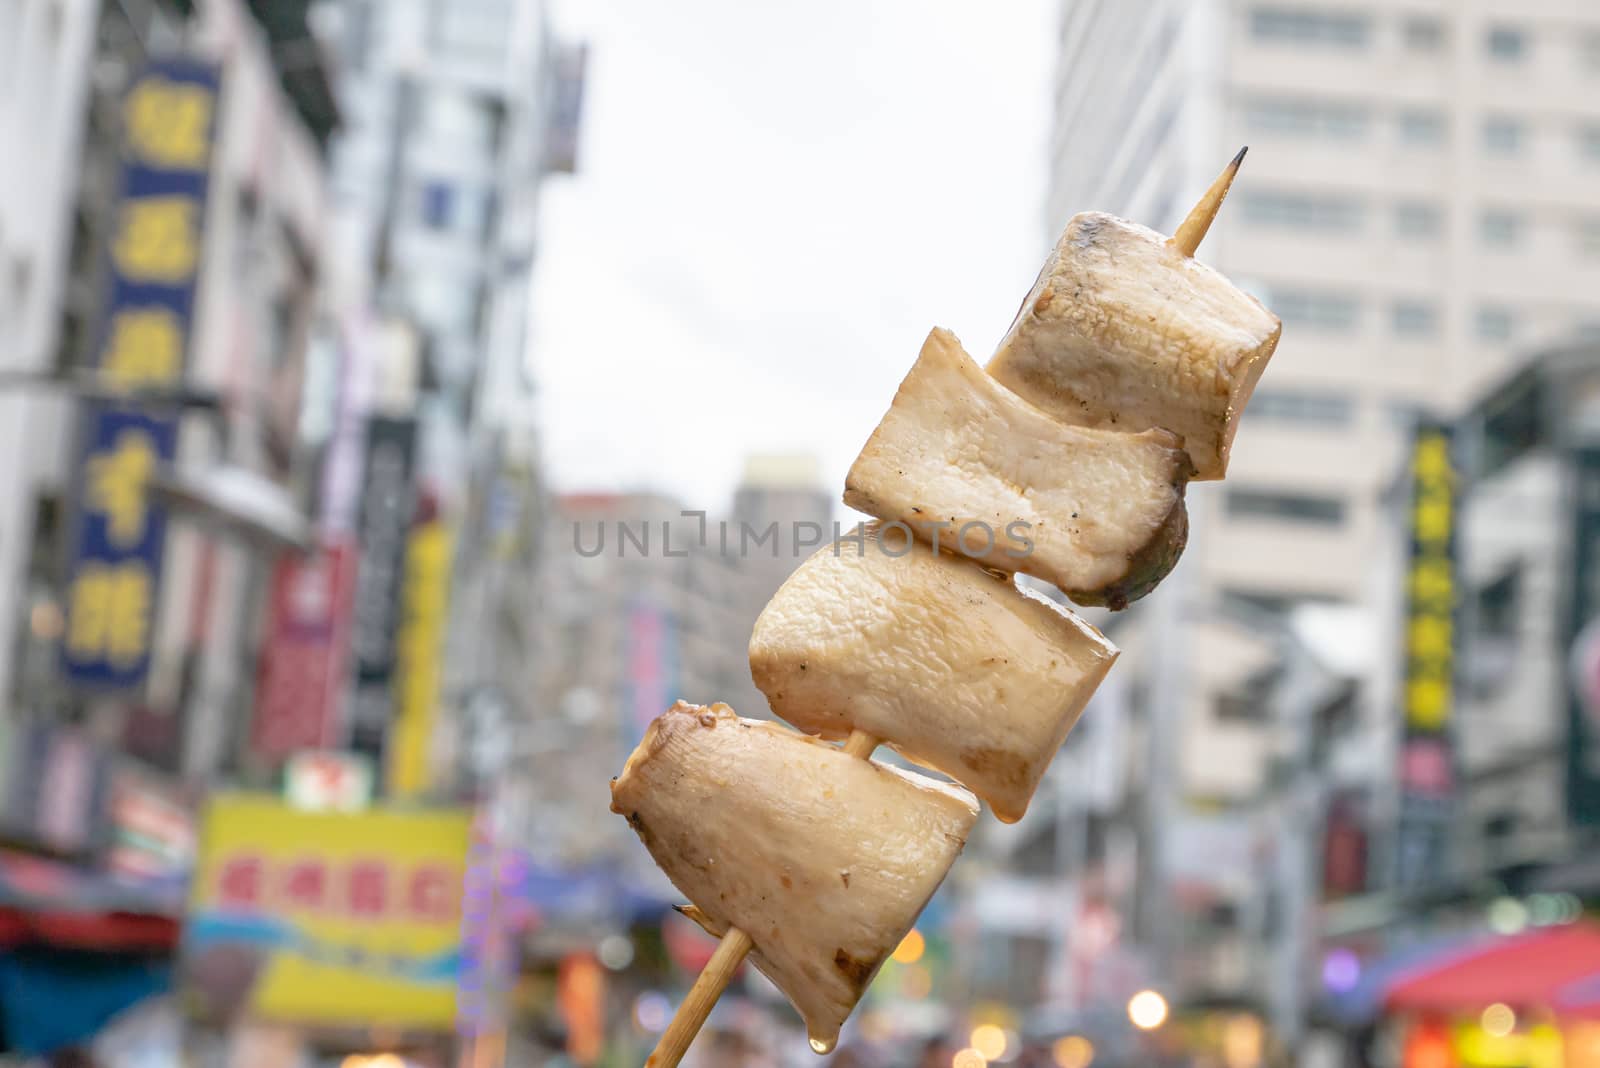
x: 1123, y: 330
x: 962, y: 459
x: 822, y: 858
x: 954, y: 667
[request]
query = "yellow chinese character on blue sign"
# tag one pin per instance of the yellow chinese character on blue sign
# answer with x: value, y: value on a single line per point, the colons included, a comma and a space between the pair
x: 1431, y: 462
x: 1432, y: 518
x: 143, y: 345
x: 1432, y: 584
x: 1427, y: 702
x: 1429, y: 636
x: 168, y: 123
x: 117, y: 483
x: 108, y: 613
x: 156, y: 239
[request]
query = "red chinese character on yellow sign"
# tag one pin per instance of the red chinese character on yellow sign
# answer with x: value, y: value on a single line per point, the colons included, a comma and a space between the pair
x: 168, y: 123
x: 117, y: 483
x: 156, y: 239
x: 109, y: 613
x: 143, y: 345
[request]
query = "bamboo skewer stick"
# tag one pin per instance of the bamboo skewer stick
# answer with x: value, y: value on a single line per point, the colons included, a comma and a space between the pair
x: 1188, y: 236
x: 860, y: 744
x: 708, y: 987
x: 720, y: 969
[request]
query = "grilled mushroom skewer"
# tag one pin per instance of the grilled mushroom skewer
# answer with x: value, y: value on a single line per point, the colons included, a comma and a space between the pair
x: 1108, y: 393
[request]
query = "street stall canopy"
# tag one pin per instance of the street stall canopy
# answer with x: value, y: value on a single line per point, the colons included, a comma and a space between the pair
x: 1581, y: 998
x: 1533, y: 969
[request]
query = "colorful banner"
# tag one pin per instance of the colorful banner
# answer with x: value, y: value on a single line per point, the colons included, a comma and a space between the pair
x: 1583, y: 636
x: 1427, y: 766
x: 114, y: 558
x: 327, y: 918
x: 328, y: 781
x: 652, y: 666
x: 152, y: 830
x: 56, y: 786
x: 302, y: 674
x: 422, y: 622
x: 566, y: 109
x: 388, y: 503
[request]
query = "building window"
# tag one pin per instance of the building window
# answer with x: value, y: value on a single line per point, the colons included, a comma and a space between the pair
x: 1415, y: 218
x: 1506, y: 43
x: 436, y: 197
x: 1415, y: 319
x: 1307, y: 118
x: 476, y: 33
x: 1589, y: 142
x: 1423, y: 33
x: 1309, y: 26
x: 1589, y: 237
x: 1499, y: 229
x: 1316, y: 309
x: 1421, y: 128
x: 1302, y: 211
x: 1495, y: 323
x: 1290, y: 406
x: 1291, y: 507
x: 1502, y: 136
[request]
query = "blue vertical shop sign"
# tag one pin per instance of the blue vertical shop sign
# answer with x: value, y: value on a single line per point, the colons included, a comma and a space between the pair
x: 153, y: 260
x: 1427, y: 695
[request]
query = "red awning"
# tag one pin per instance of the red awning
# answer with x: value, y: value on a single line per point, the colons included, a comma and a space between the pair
x: 1581, y: 998
x: 1524, y: 971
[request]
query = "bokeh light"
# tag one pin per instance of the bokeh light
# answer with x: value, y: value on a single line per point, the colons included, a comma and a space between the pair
x: 989, y: 1041
x: 911, y: 948
x: 615, y: 951
x: 652, y: 1011
x: 1072, y: 1051
x: 1507, y: 915
x: 1341, y: 971
x: 1498, y: 1020
x: 1148, y: 1010
x: 968, y: 1058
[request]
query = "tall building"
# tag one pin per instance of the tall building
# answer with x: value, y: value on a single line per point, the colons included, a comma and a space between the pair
x: 455, y: 111
x: 231, y: 345
x: 644, y: 603
x: 46, y: 51
x: 1417, y: 206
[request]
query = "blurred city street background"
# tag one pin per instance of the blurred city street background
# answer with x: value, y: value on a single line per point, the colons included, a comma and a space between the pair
x: 388, y: 389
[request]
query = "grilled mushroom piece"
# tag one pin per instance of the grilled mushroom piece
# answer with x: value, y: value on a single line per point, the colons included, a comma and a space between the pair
x: 823, y: 859
x: 954, y: 667
x: 1125, y: 330
x: 962, y: 460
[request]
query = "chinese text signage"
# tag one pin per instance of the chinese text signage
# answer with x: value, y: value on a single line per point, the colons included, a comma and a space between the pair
x: 304, y: 663
x: 328, y: 917
x: 423, y: 615
x: 1426, y: 692
x: 154, y: 255
x: 388, y: 502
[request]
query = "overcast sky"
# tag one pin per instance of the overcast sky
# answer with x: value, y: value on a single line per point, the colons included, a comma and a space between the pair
x: 774, y: 205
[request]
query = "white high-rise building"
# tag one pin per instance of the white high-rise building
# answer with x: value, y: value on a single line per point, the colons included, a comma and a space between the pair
x: 1419, y: 203
x: 454, y: 112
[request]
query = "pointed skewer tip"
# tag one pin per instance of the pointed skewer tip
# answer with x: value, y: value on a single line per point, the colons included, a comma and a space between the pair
x: 1188, y: 236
